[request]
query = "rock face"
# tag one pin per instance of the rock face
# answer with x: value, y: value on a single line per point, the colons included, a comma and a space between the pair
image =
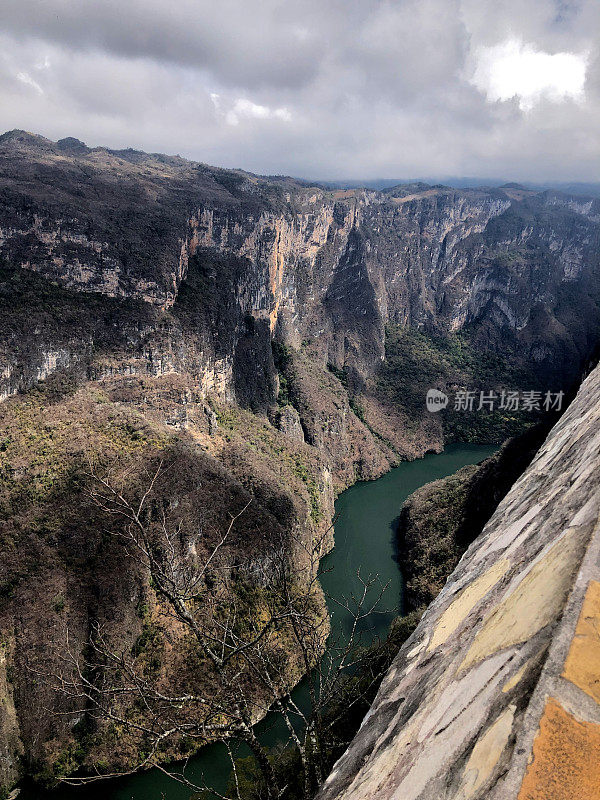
x: 495, y: 695
x: 61, y: 572
x: 320, y: 270
x: 288, y: 422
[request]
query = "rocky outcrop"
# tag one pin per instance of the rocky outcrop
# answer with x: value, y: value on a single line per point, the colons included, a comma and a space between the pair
x: 62, y: 573
x: 287, y: 420
x: 495, y: 694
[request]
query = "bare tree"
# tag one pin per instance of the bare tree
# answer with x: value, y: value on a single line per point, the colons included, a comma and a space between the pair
x: 246, y: 669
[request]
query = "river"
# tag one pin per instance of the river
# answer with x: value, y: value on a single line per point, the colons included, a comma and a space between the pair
x: 364, y: 540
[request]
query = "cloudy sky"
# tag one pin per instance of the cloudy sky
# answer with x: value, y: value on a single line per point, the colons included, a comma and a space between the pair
x: 316, y: 88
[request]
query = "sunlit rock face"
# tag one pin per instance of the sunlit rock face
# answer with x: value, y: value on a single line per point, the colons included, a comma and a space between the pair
x: 496, y: 693
x: 121, y: 263
x: 275, y: 258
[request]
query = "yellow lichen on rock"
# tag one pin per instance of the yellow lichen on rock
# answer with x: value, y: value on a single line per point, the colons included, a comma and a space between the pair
x: 566, y: 758
x: 459, y: 609
x: 582, y: 666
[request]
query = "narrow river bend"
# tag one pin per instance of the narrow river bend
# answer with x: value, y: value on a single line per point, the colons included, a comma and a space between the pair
x: 364, y: 540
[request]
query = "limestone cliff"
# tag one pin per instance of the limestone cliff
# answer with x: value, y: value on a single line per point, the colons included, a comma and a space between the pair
x: 219, y: 263
x: 495, y: 695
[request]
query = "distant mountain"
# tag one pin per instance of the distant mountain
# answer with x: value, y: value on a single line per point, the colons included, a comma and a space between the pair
x: 591, y: 189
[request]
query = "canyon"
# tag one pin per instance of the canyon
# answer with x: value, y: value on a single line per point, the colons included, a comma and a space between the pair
x: 273, y: 340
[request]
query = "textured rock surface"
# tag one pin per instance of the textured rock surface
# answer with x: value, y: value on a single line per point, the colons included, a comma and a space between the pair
x: 496, y: 693
x: 60, y: 573
x: 134, y: 264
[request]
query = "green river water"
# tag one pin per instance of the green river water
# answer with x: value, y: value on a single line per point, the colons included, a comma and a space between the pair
x: 364, y: 540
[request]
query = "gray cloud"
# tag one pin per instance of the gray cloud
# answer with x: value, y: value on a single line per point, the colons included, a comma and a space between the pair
x: 341, y: 88
x: 253, y: 44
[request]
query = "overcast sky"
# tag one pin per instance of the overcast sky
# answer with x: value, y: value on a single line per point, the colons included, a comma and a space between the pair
x: 316, y: 88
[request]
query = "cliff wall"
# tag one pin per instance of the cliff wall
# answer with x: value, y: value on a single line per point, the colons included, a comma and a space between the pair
x: 325, y: 271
